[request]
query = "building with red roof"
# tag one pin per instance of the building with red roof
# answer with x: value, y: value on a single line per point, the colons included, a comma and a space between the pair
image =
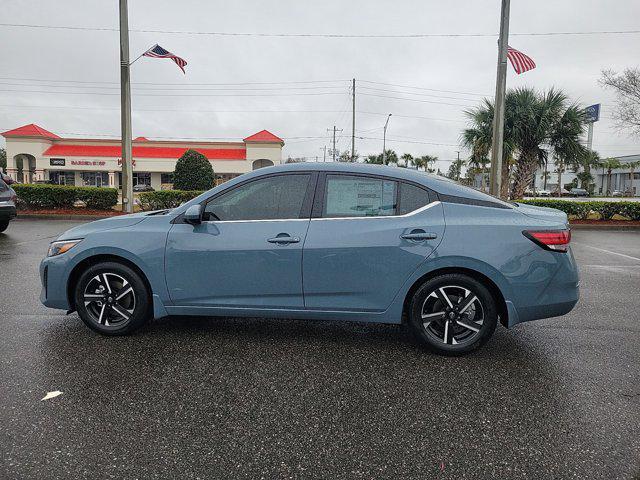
x: 36, y: 155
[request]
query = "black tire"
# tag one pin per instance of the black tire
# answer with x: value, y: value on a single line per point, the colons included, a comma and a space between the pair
x: 458, y: 322
x: 117, y: 306
x: 3, y: 225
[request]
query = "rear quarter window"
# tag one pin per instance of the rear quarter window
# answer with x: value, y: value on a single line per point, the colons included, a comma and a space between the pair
x: 412, y: 198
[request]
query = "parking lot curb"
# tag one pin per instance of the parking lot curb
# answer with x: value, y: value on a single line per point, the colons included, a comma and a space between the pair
x: 593, y: 226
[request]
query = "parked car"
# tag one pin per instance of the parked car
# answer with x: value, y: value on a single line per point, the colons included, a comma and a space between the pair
x: 579, y: 192
x: 544, y: 193
x: 141, y: 187
x: 617, y: 193
x: 7, y: 205
x: 7, y: 179
x: 323, y: 241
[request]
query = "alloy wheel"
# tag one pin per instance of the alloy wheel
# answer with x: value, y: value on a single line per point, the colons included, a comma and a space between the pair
x: 109, y: 299
x: 452, y: 315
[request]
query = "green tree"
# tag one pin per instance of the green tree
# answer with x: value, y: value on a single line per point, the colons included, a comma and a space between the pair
x: 193, y: 172
x: 610, y: 164
x: 3, y: 159
x: 533, y: 121
x: 408, y: 159
x: 455, y: 169
x: 589, y: 160
x: 392, y: 157
x: 564, y: 141
x: 632, y: 166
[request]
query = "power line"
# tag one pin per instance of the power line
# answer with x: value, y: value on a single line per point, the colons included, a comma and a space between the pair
x: 418, y: 93
x: 415, y: 100
x: 423, y: 88
x: 317, y: 35
x: 288, y: 82
x: 176, y: 94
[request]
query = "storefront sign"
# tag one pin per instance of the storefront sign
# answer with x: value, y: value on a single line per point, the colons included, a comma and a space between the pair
x: 133, y: 162
x: 88, y: 163
x: 56, y: 162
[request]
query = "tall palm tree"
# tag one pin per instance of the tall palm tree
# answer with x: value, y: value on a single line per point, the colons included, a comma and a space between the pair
x: 610, y: 164
x: 587, y: 161
x: 428, y: 160
x: 564, y: 140
x: 408, y: 159
x: 455, y: 169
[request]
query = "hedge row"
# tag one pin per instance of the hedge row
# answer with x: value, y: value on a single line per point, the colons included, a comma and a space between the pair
x: 164, y: 199
x: 582, y: 210
x: 63, y: 196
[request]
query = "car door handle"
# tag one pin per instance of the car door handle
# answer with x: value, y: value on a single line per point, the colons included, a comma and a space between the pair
x: 283, y: 239
x: 418, y: 236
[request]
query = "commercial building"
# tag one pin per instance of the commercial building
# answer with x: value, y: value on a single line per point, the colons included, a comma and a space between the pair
x: 620, y: 178
x: 37, y: 155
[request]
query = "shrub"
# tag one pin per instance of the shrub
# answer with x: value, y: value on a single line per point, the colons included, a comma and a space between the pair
x: 98, y: 198
x: 163, y: 199
x: 193, y: 172
x: 631, y: 210
x: 63, y: 196
x: 606, y: 210
x: 576, y: 209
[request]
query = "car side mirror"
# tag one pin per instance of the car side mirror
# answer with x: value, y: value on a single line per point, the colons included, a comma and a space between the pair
x: 193, y: 215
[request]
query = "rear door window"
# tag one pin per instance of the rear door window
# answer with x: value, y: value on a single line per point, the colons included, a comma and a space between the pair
x: 359, y: 196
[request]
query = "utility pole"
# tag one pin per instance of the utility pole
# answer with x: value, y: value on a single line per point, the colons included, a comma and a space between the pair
x: 125, y: 110
x: 334, y: 140
x: 384, y: 141
x: 353, y: 121
x: 498, y: 116
x: 324, y: 153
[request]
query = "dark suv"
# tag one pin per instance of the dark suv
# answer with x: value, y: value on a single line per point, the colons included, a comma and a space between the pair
x: 7, y: 205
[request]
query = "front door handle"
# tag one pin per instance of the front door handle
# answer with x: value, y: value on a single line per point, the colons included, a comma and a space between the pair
x: 418, y: 236
x: 283, y: 239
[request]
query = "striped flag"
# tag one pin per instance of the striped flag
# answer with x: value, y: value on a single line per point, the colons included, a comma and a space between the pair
x: 158, y: 52
x: 519, y: 61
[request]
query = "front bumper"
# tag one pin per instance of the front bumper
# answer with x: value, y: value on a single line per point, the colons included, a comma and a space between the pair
x: 54, y: 277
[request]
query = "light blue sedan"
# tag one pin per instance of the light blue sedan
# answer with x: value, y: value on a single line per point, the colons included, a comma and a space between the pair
x: 364, y: 243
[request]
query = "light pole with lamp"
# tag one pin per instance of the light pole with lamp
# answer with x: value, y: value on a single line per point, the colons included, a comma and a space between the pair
x: 384, y: 141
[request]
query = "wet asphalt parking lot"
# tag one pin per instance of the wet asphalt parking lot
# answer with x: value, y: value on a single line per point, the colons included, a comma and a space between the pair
x: 240, y: 398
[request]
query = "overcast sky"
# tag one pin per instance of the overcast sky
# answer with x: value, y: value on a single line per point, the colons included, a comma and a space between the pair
x: 38, y: 65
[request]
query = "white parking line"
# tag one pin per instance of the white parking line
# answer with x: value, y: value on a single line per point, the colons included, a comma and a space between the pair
x: 606, y: 251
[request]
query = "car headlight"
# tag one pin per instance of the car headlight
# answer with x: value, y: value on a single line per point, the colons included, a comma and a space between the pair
x: 60, y: 247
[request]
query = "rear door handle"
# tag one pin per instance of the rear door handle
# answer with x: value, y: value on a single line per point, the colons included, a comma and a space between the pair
x: 283, y: 239
x: 418, y: 236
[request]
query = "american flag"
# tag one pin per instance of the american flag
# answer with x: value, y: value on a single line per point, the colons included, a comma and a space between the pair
x: 519, y: 61
x: 158, y: 52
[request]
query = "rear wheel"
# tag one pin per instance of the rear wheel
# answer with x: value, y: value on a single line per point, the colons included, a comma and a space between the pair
x: 112, y: 299
x: 453, y: 314
x: 3, y: 225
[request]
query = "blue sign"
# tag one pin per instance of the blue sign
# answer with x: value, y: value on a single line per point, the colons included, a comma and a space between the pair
x: 593, y: 113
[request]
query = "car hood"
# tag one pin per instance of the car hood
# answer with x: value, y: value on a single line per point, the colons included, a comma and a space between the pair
x: 543, y: 213
x: 121, y: 221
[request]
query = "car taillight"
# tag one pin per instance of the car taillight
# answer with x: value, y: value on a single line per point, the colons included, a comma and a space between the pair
x: 14, y: 198
x: 555, y: 240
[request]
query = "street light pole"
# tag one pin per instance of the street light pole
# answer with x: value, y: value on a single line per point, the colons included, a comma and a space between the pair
x: 384, y: 141
x: 498, y: 116
x: 125, y: 110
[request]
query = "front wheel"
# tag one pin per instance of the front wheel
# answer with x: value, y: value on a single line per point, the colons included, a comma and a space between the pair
x: 3, y: 225
x: 112, y: 299
x: 453, y: 314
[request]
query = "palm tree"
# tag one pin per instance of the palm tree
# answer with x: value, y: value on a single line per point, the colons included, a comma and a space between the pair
x: 532, y: 121
x: 610, y: 164
x: 587, y: 161
x: 427, y: 160
x: 479, y: 135
x: 564, y: 140
x: 408, y: 159
x: 455, y: 169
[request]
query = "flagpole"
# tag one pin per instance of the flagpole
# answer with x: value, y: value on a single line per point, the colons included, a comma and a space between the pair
x: 495, y: 186
x: 125, y: 110
x: 141, y: 55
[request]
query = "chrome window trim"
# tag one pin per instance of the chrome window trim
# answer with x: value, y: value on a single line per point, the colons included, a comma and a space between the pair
x: 409, y: 214
x: 405, y: 215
